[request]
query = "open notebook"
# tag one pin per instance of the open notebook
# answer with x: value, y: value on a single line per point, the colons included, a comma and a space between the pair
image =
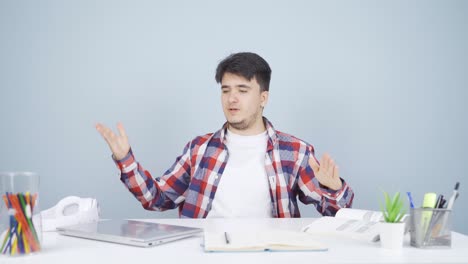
x: 129, y: 232
x: 271, y: 240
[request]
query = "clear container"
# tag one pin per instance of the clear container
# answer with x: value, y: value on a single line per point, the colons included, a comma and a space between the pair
x: 20, y: 219
x: 431, y: 228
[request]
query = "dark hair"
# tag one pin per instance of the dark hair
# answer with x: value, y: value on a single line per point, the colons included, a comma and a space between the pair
x: 247, y: 65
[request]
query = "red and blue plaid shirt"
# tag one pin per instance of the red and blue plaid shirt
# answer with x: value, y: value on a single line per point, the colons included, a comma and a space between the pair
x: 191, y: 183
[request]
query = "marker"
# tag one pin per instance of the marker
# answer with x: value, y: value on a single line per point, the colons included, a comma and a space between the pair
x: 439, y: 201
x: 453, y: 197
x: 429, y: 202
x: 450, y: 203
x: 410, y: 198
x: 442, y: 203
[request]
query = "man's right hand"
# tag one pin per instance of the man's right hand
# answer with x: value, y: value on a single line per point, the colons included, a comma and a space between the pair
x: 117, y: 143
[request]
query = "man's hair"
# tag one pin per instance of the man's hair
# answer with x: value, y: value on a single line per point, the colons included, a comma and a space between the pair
x: 247, y: 65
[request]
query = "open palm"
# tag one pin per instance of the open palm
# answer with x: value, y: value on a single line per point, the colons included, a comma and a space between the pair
x: 327, y: 172
x: 118, y: 143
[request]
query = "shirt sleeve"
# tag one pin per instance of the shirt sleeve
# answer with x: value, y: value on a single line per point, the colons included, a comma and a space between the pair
x: 159, y: 194
x: 327, y: 201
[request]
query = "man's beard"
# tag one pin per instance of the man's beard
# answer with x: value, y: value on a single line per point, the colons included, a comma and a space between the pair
x: 243, y: 124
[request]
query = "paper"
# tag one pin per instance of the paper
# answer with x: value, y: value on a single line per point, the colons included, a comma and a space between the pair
x: 351, y: 223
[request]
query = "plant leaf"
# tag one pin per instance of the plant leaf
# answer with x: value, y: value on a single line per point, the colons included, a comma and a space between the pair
x: 384, y: 212
x: 402, y: 212
x: 401, y: 215
x: 394, y: 209
x: 387, y: 201
x: 395, y: 200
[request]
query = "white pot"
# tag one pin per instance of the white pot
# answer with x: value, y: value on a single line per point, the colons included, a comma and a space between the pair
x: 391, y: 235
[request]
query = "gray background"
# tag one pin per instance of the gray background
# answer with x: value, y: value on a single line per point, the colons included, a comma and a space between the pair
x: 379, y: 85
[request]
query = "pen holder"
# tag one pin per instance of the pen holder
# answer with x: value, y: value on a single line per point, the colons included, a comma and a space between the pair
x: 431, y: 228
x: 20, y: 221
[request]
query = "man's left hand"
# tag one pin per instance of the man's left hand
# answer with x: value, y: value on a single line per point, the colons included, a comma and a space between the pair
x: 327, y: 172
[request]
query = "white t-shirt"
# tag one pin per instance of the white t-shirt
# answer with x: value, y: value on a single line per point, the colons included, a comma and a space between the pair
x: 243, y: 190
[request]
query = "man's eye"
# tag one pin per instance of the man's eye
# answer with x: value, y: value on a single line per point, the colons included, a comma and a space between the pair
x: 224, y: 91
x: 243, y: 91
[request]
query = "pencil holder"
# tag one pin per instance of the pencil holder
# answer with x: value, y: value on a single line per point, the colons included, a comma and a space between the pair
x: 431, y: 228
x: 20, y: 220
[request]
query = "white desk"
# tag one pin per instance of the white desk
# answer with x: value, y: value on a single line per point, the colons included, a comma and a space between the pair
x: 70, y: 250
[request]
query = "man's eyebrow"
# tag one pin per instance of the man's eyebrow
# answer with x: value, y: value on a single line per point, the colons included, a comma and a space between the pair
x: 239, y: 86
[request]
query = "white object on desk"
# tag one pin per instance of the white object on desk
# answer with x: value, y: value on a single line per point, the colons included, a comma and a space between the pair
x: 70, y: 210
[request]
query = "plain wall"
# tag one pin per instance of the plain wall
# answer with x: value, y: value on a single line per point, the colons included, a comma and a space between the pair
x: 381, y: 86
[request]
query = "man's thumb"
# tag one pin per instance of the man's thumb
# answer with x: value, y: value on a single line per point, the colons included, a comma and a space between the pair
x: 313, y: 163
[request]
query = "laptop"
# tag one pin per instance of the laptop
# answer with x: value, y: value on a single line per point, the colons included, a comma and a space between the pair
x: 130, y: 232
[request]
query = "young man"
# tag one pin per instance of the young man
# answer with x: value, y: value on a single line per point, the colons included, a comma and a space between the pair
x: 245, y: 169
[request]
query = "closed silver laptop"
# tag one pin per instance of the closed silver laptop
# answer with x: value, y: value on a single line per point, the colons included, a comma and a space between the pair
x: 130, y: 232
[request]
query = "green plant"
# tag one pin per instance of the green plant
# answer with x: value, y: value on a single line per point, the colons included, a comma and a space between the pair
x: 393, y: 210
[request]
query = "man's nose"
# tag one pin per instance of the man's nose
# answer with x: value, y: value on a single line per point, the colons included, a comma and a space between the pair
x: 232, y: 97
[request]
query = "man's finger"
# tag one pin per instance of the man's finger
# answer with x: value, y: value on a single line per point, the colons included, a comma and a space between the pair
x: 322, y: 162
x: 105, y: 132
x: 331, y: 165
x: 313, y: 163
x: 331, y: 172
x: 336, y: 173
x: 121, y: 129
x: 325, y: 162
x: 100, y: 128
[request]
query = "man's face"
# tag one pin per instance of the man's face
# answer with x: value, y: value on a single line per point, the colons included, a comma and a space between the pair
x: 242, y: 102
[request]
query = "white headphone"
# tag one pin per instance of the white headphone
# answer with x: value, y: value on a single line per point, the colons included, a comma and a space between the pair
x: 70, y: 210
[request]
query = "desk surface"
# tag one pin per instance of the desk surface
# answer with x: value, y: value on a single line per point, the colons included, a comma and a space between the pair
x: 70, y: 250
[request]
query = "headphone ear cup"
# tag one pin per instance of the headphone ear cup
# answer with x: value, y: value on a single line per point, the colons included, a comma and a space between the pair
x: 68, y: 206
x: 71, y: 209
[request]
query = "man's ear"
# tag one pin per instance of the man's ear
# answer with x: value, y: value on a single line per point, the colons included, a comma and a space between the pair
x: 264, y: 98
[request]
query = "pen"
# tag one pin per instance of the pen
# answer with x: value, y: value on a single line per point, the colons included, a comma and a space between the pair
x: 439, y: 201
x: 450, y: 203
x: 434, y: 219
x: 442, y: 203
x: 453, y: 197
x: 226, y: 237
x: 410, y: 198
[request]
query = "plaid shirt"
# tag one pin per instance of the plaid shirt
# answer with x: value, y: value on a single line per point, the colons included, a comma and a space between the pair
x: 191, y: 183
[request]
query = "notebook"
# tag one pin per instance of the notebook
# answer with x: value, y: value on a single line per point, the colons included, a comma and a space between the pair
x: 130, y: 232
x: 270, y: 240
